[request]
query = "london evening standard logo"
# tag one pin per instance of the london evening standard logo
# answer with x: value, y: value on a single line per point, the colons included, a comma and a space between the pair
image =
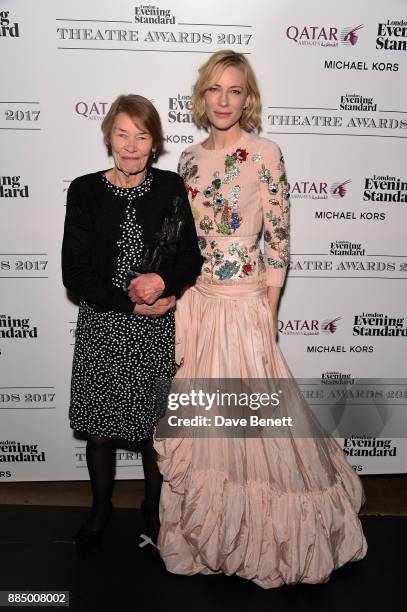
x: 148, y: 13
x: 8, y: 28
x: 369, y: 447
x: 357, y: 102
x: 315, y: 189
x: 12, y: 451
x: 385, y: 188
x: 16, y: 328
x: 180, y: 109
x: 379, y: 324
x: 324, y: 36
x: 346, y: 247
x: 179, y: 113
x: 308, y: 327
x: 13, y: 187
x: 392, y: 35
x: 336, y: 378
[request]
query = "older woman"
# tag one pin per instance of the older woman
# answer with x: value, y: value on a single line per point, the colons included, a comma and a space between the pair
x: 129, y: 222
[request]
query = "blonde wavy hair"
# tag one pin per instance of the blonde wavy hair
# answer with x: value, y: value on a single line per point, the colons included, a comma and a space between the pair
x: 208, y: 74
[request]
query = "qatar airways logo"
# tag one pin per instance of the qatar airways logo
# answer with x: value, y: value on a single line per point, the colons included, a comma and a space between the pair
x: 92, y: 110
x: 339, y: 190
x: 349, y: 36
x: 329, y: 326
x: 308, y: 327
x: 318, y: 190
x: 323, y: 36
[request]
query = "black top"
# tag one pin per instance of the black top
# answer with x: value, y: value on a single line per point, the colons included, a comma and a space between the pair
x: 95, y: 215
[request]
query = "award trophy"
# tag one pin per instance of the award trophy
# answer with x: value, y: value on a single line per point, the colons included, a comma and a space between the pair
x: 164, y: 245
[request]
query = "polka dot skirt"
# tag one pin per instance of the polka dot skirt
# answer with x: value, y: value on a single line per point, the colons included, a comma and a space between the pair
x: 119, y: 359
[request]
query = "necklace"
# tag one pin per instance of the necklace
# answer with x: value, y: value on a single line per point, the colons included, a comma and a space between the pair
x: 117, y: 182
x: 130, y: 192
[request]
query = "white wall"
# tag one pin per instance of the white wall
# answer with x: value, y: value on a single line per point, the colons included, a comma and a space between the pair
x: 64, y: 62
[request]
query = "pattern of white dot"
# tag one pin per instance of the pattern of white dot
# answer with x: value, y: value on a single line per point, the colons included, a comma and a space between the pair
x: 118, y: 358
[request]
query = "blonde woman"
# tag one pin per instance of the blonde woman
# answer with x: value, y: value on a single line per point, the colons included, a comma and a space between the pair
x: 273, y: 510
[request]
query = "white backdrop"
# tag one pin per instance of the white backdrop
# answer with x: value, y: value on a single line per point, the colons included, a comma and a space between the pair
x: 332, y: 77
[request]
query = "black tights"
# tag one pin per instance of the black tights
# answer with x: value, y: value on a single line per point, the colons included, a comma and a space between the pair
x: 152, y: 476
x: 100, y: 457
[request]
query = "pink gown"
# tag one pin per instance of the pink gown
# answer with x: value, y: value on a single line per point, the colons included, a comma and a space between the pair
x: 273, y: 510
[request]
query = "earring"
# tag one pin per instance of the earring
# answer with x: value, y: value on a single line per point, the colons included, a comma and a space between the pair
x: 245, y: 108
x: 153, y: 154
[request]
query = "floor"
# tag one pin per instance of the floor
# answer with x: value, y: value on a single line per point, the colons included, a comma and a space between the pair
x: 386, y: 495
x: 37, y: 553
x: 38, y: 522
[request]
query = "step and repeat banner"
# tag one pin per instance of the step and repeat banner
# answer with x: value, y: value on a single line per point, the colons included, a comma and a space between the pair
x: 332, y: 78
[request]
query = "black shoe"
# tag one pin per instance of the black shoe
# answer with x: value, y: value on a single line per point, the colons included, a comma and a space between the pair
x: 151, y: 521
x: 88, y: 540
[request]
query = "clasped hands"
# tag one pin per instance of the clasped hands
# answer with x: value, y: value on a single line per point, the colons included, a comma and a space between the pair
x: 145, y: 291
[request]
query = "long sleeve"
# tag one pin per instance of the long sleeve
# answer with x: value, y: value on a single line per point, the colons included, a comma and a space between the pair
x: 188, y: 260
x: 78, y: 272
x: 276, y: 207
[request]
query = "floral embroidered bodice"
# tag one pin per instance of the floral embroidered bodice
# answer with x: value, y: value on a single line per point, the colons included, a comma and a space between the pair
x: 239, y: 196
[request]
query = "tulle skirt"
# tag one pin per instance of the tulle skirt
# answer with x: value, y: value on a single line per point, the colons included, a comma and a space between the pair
x: 273, y: 510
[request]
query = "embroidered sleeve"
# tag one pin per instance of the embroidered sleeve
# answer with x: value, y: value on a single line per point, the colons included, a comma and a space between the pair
x: 276, y: 207
x: 181, y: 165
x: 188, y: 170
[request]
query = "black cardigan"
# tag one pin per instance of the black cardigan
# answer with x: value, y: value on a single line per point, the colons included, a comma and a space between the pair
x: 92, y: 229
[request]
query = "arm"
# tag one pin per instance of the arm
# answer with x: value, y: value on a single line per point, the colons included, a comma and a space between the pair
x: 276, y: 208
x: 77, y: 271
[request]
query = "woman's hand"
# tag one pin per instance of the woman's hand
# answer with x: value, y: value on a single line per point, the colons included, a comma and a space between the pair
x: 146, y: 288
x: 273, y: 296
x: 158, y: 309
